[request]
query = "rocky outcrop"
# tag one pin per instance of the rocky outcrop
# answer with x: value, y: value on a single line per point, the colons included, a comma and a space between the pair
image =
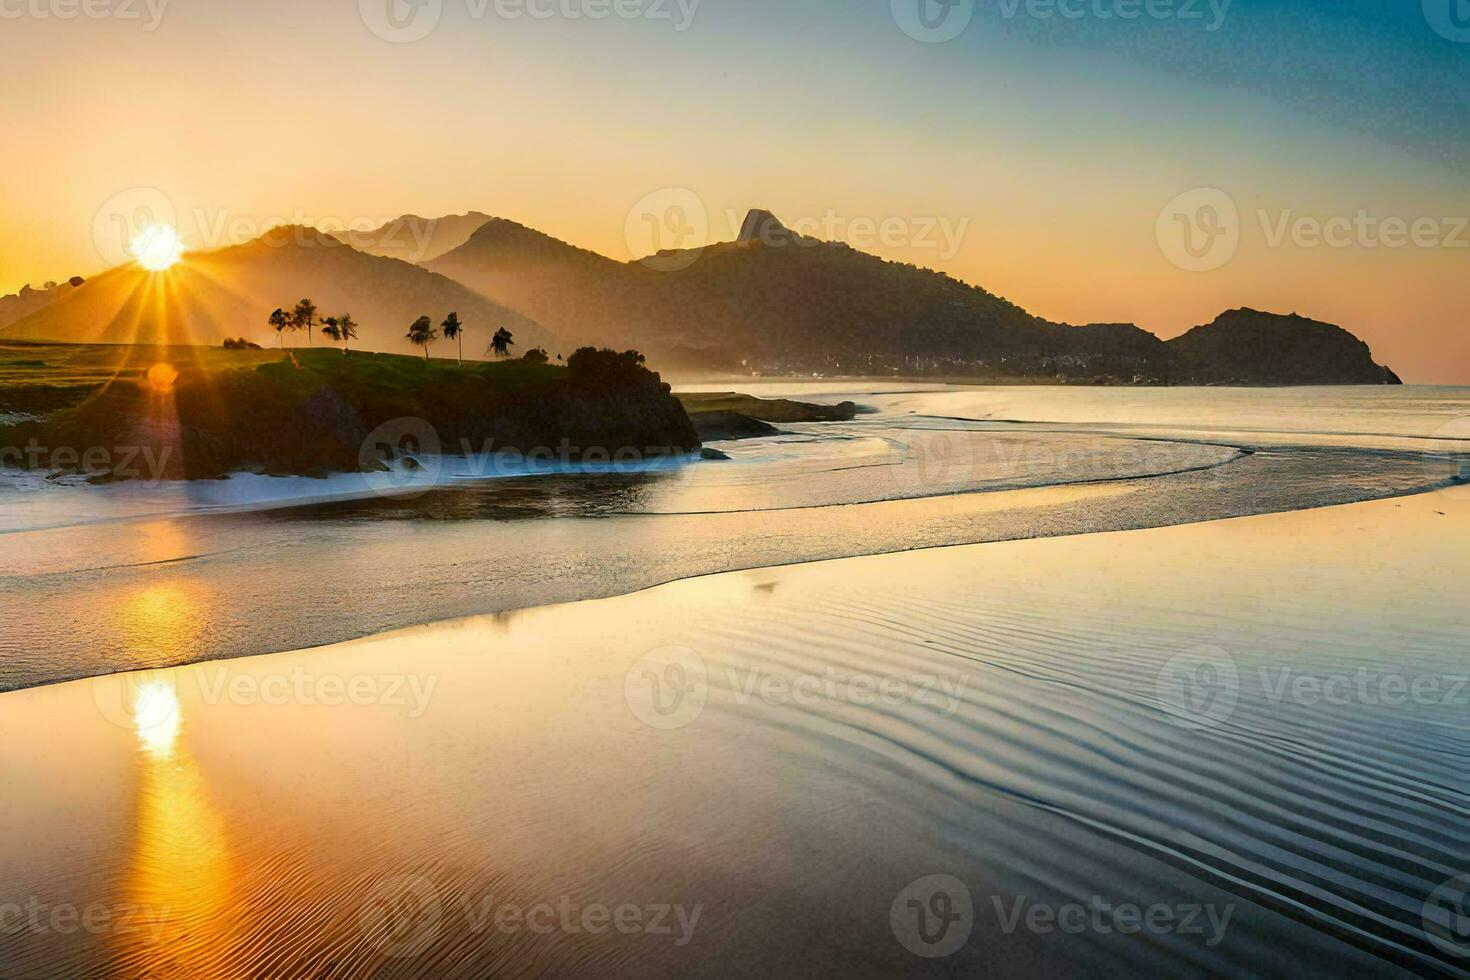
x: 1248, y: 346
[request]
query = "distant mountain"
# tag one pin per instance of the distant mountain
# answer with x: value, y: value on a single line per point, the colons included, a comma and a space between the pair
x: 230, y: 292
x: 825, y: 306
x: 1252, y: 347
x: 416, y: 239
x: 29, y: 300
x: 808, y: 305
x: 776, y: 301
x: 587, y: 298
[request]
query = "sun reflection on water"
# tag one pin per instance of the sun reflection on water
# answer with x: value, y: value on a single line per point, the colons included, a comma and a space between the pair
x: 181, y: 866
x: 156, y: 718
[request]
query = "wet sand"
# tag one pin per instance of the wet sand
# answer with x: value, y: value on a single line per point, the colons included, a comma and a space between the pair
x: 761, y: 772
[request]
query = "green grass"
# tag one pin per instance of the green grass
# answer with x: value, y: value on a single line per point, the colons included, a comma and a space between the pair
x: 309, y: 411
x: 38, y: 377
x: 42, y: 377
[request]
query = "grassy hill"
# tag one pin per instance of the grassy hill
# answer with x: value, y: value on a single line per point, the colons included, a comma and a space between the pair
x: 312, y: 412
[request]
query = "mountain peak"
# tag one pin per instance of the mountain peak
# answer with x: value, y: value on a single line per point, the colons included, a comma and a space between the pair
x: 762, y: 226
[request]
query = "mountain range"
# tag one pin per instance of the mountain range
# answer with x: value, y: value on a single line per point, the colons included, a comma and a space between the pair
x: 771, y: 301
x: 231, y: 291
x: 413, y: 238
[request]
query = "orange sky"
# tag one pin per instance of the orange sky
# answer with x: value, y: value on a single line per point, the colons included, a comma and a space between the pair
x: 1051, y: 165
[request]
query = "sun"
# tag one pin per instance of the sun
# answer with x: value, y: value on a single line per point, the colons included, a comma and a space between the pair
x: 157, y: 247
x: 161, y: 377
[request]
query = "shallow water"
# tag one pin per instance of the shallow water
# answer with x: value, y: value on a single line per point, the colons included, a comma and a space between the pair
x: 1235, y: 747
x: 765, y: 770
x: 227, y: 570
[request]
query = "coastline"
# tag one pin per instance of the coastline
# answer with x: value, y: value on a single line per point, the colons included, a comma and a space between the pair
x: 403, y: 573
x: 1030, y: 635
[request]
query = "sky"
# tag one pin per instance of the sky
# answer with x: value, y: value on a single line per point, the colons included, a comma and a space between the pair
x: 1145, y: 161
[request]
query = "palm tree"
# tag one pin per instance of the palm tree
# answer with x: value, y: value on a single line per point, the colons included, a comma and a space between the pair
x: 423, y: 334
x: 331, y: 330
x: 280, y: 321
x: 454, y: 330
x: 348, y: 326
x: 304, y: 316
x: 502, y: 342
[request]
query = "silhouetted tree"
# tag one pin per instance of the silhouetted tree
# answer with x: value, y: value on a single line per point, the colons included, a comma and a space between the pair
x: 280, y: 321
x: 605, y: 368
x: 422, y: 334
x: 330, y: 329
x: 304, y: 317
x: 536, y: 356
x: 502, y: 342
x: 454, y: 330
x: 348, y: 326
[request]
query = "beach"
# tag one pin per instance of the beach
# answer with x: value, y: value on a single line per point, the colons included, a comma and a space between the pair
x: 776, y: 755
x: 101, y: 579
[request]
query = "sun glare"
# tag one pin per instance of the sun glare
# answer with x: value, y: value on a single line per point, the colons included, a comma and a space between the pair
x: 157, y: 247
x: 161, y: 377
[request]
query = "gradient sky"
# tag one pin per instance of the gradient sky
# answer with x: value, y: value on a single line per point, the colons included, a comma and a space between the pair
x: 1055, y: 142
